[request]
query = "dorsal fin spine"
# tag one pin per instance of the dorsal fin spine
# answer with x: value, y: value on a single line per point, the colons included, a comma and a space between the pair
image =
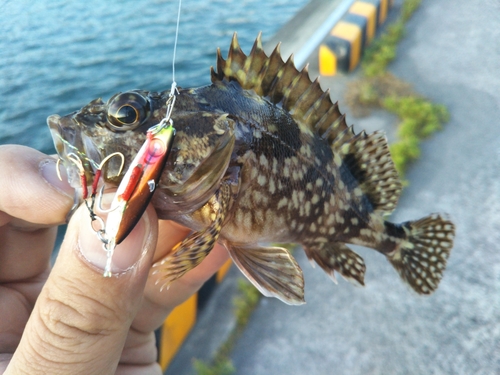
x: 219, y: 74
x: 328, y: 119
x: 299, y: 86
x: 341, y: 138
x: 272, y: 67
x: 255, y: 64
x: 307, y: 101
x: 284, y: 78
x: 316, y: 112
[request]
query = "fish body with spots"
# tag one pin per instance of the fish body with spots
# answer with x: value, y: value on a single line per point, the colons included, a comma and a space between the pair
x: 263, y: 155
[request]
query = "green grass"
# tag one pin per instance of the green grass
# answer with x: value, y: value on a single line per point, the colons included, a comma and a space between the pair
x: 377, y: 88
x: 224, y: 367
x: 244, y: 304
x: 383, y: 50
x: 419, y: 119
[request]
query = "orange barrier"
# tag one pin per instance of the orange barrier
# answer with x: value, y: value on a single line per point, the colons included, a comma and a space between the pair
x: 181, y: 320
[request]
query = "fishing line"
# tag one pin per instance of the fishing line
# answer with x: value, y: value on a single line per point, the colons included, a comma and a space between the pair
x: 173, y: 88
x: 174, y: 84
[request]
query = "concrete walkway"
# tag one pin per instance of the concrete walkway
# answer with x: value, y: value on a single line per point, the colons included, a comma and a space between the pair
x: 451, y: 54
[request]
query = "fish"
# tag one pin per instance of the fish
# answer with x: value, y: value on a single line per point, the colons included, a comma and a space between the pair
x: 262, y: 156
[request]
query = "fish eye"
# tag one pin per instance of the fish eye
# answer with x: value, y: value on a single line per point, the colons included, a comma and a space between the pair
x: 128, y: 110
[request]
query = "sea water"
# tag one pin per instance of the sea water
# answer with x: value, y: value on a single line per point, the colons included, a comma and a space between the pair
x: 56, y: 56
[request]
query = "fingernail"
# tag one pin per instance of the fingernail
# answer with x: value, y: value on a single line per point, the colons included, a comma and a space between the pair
x: 126, y: 255
x: 48, y: 170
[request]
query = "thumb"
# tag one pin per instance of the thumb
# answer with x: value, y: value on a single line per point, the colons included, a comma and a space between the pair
x: 81, y: 319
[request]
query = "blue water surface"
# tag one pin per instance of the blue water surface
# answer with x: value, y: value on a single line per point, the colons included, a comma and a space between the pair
x: 56, y: 56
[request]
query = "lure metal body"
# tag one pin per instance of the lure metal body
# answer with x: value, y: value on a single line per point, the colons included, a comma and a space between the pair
x: 138, y: 184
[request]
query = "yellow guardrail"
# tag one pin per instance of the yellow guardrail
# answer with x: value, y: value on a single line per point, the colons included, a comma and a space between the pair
x: 342, y: 49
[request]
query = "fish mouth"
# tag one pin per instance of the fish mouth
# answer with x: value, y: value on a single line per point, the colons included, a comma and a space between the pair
x: 56, y: 132
x: 63, y: 147
x: 72, y: 149
x: 65, y: 135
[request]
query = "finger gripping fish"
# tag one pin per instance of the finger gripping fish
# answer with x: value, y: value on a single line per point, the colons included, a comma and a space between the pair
x: 263, y: 155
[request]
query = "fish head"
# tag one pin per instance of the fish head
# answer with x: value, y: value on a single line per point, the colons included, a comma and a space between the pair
x: 199, y: 156
x: 84, y: 138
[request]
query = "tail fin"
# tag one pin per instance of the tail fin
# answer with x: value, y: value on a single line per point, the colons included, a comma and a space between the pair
x: 421, y: 258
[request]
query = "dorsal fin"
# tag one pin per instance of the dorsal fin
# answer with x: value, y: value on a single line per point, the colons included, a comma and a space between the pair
x: 282, y: 83
x: 367, y: 156
x: 369, y: 160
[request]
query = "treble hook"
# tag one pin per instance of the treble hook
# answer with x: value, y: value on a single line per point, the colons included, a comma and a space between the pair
x: 106, y: 159
x: 98, y: 175
x: 94, y: 164
x: 58, y: 163
x: 72, y: 157
x: 99, y: 202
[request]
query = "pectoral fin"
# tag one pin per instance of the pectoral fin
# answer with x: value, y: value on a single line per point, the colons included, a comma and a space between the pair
x: 272, y: 270
x: 193, y: 249
x: 338, y: 257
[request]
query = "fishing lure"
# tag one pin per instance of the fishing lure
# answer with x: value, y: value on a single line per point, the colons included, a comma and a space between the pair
x: 137, y: 187
x: 139, y: 182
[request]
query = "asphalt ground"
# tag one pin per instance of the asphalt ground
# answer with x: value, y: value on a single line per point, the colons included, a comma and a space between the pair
x: 451, y: 55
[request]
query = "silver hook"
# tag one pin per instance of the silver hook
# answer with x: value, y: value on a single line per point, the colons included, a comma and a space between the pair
x: 99, y: 202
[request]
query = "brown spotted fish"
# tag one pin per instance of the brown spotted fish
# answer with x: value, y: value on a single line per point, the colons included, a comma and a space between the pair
x: 263, y: 155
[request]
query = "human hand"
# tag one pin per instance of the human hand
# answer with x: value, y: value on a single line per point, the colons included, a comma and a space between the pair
x: 70, y: 319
